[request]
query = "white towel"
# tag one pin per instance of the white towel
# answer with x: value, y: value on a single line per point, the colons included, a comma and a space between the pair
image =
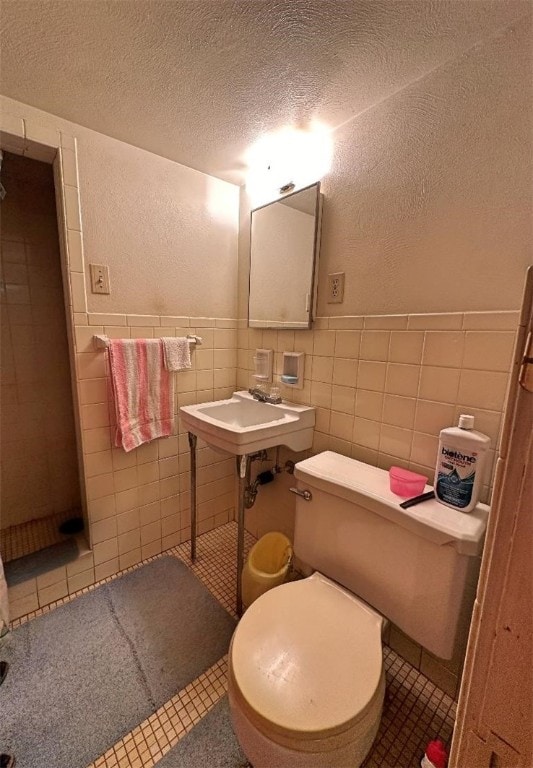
x: 177, y: 353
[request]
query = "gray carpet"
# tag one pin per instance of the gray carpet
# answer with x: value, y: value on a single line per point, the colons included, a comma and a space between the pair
x: 89, y: 671
x: 37, y: 563
x: 210, y: 744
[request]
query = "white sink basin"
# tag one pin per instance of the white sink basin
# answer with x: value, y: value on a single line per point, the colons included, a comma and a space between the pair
x: 243, y: 425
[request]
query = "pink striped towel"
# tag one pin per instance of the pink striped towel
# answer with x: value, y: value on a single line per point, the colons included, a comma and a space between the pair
x: 143, y: 391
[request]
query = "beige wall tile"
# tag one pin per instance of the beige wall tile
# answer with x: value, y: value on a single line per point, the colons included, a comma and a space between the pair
x: 147, y: 452
x: 399, y: 411
x: 99, y: 318
x: 322, y: 369
x: 143, y: 321
x: 75, y: 250
x: 443, y: 348
x: 489, y: 350
x: 321, y: 394
x: 151, y: 532
x: 147, y: 473
x: 368, y: 405
x: 130, y: 558
x: 322, y: 417
x: 81, y: 580
x: 323, y: 343
x: 341, y: 425
x: 366, y: 433
x: 342, y: 399
x: 150, y: 513
x: 23, y: 606
x: 374, y: 345
x: 424, y: 449
x: 128, y: 521
x: 444, y: 322
x: 101, y: 530
x: 484, y: 389
x: 103, y: 570
x: 402, y: 379
x: 387, y: 322
x: 371, y: 375
x: 125, y: 479
x: 98, y: 463
x: 495, y: 321
x: 154, y: 548
x: 347, y: 343
x: 142, y: 332
x: 90, y: 365
x: 123, y: 460
x: 126, y: 500
x: 406, y: 347
x: 102, y: 508
x: 488, y: 422
x: 348, y: 323
x: 431, y: 417
x: 93, y: 391
x: 440, y: 384
x: 395, y: 441
x: 99, y: 486
x: 51, y: 577
x: 94, y: 415
x: 129, y: 541
x: 96, y: 439
x: 54, y: 592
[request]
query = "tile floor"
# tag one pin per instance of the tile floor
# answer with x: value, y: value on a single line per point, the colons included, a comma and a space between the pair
x: 26, y: 538
x: 415, y: 709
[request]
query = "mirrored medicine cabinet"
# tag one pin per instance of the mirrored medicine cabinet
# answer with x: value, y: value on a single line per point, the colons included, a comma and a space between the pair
x: 284, y: 246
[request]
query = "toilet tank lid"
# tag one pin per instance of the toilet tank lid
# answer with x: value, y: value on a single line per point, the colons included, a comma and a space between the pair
x: 369, y: 487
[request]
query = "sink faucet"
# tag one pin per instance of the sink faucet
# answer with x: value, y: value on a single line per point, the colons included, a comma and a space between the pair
x: 264, y: 397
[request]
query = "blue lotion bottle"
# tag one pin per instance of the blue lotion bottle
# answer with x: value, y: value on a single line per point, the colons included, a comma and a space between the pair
x: 461, y: 462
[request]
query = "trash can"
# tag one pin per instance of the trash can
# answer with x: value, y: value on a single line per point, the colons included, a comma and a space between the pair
x: 266, y: 567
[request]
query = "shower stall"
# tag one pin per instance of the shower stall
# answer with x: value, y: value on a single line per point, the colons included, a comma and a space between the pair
x: 40, y: 487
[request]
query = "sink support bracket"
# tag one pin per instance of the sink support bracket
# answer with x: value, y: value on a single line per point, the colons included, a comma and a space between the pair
x: 243, y: 472
x: 192, y: 447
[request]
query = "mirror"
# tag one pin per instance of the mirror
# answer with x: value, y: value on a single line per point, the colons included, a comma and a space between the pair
x: 285, y: 237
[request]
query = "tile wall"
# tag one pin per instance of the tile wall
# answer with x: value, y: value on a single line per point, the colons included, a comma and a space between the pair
x: 138, y: 503
x: 383, y: 387
x: 35, y: 378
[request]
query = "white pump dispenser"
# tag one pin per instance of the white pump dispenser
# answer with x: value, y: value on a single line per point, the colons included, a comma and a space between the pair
x: 460, y: 465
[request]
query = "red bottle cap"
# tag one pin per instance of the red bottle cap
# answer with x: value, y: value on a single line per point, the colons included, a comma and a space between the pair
x: 437, y: 754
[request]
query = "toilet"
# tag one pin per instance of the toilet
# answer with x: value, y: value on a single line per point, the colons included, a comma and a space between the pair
x: 306, y: 682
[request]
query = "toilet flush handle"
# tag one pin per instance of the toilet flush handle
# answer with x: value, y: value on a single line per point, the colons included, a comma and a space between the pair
x: 305, y: 494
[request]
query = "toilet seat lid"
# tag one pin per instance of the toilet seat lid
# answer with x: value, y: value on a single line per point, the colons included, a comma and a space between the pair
x: 307, y: 658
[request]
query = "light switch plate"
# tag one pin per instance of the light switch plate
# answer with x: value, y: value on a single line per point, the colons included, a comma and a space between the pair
x: 335, y: 288
x: 99, y: 278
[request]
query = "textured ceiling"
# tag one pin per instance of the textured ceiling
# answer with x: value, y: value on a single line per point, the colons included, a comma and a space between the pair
x: 198, y: 81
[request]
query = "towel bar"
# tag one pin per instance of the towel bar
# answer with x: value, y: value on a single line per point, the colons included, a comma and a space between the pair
x: 102, y: 342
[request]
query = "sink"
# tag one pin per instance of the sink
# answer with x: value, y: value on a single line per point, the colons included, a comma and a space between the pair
x: 243, y: 425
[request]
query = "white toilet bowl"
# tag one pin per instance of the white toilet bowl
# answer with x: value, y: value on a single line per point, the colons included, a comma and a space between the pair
x: 306, y: 680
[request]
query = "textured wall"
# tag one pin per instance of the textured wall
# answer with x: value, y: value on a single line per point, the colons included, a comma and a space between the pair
x: 167, y: 232
x: 428, y: 203
x: 199, y: 81
x: 38, y: 446
x: 427, y: 207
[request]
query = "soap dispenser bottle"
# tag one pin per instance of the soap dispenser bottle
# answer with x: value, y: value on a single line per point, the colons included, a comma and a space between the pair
x: 460, y: 466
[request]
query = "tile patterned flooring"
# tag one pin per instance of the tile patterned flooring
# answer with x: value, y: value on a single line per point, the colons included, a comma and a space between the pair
x: 26, y: 538
x: 415, y: 711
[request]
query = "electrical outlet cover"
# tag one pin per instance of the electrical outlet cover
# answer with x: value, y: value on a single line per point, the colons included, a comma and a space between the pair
x: 335, y: 288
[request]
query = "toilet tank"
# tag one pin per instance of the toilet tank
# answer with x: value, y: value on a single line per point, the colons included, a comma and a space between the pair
x: 417, y: 566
